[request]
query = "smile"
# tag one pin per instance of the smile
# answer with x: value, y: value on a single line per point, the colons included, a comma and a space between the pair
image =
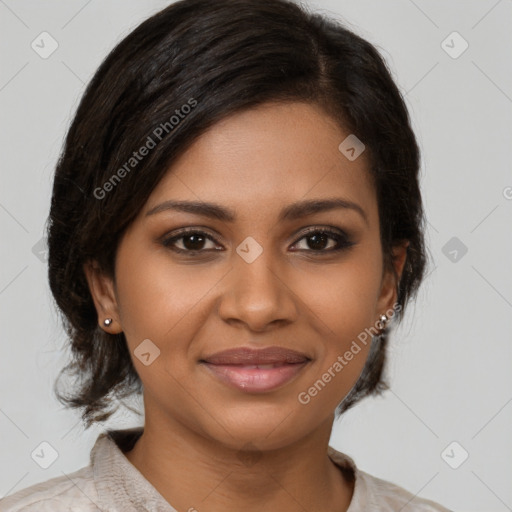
x: 255, y: 378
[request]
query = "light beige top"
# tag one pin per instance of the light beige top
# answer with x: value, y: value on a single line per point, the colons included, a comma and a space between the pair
x: 112, y: 483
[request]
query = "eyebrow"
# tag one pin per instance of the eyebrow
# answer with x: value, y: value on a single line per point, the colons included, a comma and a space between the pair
x: 293, y: 211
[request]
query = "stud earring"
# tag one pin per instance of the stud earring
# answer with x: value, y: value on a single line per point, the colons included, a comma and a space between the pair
x: 383, y: 320
x: 107, y: 321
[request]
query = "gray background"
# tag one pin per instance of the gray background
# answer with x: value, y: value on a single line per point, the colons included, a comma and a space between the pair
x: 449, y: 362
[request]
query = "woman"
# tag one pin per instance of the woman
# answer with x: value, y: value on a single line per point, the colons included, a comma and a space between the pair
x: 235, y: 225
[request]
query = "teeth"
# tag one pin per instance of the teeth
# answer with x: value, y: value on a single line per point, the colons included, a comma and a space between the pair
x: 261, y: 366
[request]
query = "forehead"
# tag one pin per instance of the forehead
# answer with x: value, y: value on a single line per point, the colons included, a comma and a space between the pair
x: 258, y: 160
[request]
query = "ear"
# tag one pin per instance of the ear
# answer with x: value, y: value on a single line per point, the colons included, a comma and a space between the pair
x: 103, y: 294
x: 391, y: 278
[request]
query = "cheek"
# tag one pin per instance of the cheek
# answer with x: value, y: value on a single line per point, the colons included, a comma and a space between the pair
x: 148, y: 287
x: 343, y: 296
x: 343, y: 302
x: 161, y: 301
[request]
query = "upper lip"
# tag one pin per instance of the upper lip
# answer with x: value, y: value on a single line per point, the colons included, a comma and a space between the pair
x: 251, y: 356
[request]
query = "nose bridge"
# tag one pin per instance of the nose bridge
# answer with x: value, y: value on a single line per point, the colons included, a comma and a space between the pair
x: 254, y: 268
x: 256, y: 294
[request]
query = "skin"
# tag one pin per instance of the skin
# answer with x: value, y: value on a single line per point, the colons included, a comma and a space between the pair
x: 196, y: 427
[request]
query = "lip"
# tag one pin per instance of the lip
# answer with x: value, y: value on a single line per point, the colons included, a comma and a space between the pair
x: 252, y: 356
x: 256, y: 370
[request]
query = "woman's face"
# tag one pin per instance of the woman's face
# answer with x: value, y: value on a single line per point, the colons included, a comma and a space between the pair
x: 258, y: 279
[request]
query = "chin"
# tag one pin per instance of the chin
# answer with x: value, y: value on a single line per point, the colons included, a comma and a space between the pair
x: 266, y: 428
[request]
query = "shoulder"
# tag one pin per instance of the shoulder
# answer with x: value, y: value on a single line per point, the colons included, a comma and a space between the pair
x: 373, y: 493
x: 73, y: 492
x: 382, y: 492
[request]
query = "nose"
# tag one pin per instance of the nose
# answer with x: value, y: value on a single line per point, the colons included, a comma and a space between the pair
x: 258, y: 295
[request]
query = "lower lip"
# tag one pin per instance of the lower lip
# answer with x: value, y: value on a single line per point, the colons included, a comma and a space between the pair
x: 255, y: 380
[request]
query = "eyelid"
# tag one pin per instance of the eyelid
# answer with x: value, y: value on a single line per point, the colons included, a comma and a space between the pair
x: 199, y: 230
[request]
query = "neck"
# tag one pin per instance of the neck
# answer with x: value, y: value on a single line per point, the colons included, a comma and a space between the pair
x: 193, y: 472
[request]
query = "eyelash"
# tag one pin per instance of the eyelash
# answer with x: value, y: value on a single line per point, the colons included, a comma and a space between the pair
x: 343, y: 242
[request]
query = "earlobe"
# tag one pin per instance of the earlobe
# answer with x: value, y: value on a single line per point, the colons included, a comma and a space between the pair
x: 103, y: 294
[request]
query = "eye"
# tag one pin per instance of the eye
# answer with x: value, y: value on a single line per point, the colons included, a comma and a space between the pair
x: 193, y: 241
x: 317, y: 240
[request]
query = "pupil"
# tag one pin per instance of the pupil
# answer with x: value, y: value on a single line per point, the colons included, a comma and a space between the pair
x: 318, y: 241
x: 196, y: 239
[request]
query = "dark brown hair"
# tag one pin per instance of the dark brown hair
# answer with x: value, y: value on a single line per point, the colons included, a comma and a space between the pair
x: 177, y: 74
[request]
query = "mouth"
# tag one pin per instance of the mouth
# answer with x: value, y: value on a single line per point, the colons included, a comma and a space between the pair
x: 256, y: 371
